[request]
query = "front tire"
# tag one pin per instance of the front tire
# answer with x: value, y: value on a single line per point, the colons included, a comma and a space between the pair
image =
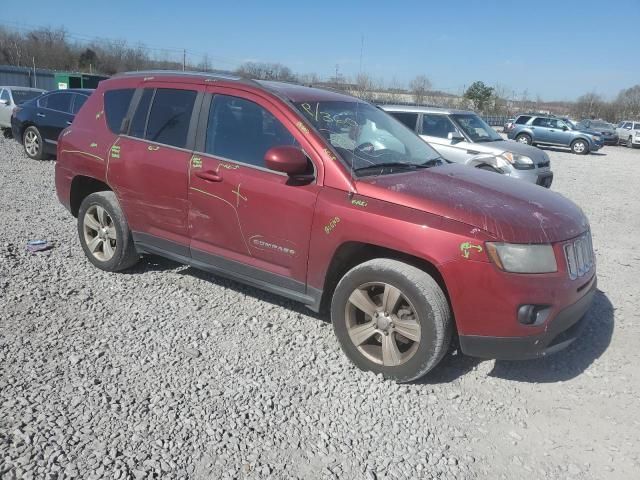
x: 630, y: 142
x: 580, y: 147
x: 524, y: 138
x: 33, y: 144
x: 104, y: 233
x: 391, y: 318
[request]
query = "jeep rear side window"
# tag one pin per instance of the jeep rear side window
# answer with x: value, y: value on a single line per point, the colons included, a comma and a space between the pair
x: 116, y: 105
x: 243, y: 131
x: 522, y: 119
x: 139, y: 122
x: 409, y: 119
x: 170, y: 116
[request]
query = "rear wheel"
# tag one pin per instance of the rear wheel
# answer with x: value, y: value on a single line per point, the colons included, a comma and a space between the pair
x: 524, y: 138
x: 391, y: 318
x: 33, y: 144
x: 104, y: 234
x: 580, y: 147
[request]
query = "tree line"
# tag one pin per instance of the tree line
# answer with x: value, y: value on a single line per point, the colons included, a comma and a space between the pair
x: 54, y: 49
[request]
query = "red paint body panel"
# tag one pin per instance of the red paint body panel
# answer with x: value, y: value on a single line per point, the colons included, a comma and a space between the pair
x: 256, y: 217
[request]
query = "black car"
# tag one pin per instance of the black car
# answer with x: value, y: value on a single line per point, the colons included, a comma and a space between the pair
x: 38, y: 123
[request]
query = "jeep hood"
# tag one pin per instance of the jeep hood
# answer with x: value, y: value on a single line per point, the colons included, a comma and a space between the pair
x: 511, y: 210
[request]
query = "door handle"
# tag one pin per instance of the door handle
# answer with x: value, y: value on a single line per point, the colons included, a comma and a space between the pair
x: 472, y: 152
x: 40, y: 115
x: 153, y: 148
x: 68, y: 122
x: 209, y: 176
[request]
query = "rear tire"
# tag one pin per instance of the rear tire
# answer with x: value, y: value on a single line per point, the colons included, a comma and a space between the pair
x: 580, y: 147
x: 400, y: 300
x: 104, y: 233
x: 524, y: 138
x: 33, y: 144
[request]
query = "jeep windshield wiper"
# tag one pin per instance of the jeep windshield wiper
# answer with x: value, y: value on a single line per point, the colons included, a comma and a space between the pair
x: 404, y: 165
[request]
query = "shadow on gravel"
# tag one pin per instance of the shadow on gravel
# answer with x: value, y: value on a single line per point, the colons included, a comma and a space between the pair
x: 569, y: 363
x: 564, y: 365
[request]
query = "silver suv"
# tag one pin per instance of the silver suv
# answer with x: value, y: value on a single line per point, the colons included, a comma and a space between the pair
x: 461, y: 136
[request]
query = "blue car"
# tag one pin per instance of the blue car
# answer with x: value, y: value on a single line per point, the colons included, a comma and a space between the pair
x: 553, y: 131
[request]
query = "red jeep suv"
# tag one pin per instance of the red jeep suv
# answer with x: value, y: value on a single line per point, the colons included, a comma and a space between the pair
x: 327, y: 200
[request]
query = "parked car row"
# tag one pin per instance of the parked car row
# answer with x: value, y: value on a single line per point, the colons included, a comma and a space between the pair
x: 325, y: 199
x: 462, y: 136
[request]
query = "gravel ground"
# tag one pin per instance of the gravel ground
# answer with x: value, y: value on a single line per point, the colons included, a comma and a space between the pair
x: 168, y: 372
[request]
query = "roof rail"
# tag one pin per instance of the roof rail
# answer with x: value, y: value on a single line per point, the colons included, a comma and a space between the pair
x: 188, y: 73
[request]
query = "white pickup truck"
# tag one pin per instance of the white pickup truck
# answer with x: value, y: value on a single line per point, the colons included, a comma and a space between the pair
x: 628, y: 133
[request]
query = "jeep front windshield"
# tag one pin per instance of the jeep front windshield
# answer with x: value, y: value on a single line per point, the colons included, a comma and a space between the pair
x: 476, y: 128
x: 368, y: 140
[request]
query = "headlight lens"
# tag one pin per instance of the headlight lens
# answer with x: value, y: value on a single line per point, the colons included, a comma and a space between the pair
x: 596, y: 138
x: 522, y: 258
x: 517, y: 160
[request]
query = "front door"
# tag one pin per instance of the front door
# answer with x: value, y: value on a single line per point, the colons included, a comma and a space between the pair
x: 149, y: 165
x: 245, y: 218
x: 435, y: 130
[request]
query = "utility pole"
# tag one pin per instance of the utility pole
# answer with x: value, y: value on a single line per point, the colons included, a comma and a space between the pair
x: 184, y: 60
x: 35, y: 79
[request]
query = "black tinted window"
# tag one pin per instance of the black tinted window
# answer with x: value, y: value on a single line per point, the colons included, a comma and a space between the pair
x: 78, y: 101
x: 116, y: 105
x: 170, y: 116
x: 437, y: 126
x: 139, y: 121
x: 60, y: 102
x: 409, y: 119
x: 243, y: 131
x: 522, y: 119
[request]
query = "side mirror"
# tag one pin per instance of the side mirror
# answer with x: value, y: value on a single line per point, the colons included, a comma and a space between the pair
x: 565, y: 128
x: 287, y: 159
x: 3, y: 101
x: 455, y: 137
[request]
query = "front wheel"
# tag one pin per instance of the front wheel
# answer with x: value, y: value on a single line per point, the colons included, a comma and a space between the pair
x: 104, y: 234
x: 391, y: 318
x: 524, y: 138
x: 630, y: 142
x: 580, y: 147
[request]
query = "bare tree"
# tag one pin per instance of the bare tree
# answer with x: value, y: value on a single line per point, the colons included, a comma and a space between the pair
x: 266, y: 71
x: 419, y: 88
x: 589, y: 105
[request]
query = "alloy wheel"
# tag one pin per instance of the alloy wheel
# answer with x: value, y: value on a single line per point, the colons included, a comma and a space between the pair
x: 579, y: 147
x: 382, y: 324
x: 32, y: 143
x: 99, y: 233
x: 523, y: 139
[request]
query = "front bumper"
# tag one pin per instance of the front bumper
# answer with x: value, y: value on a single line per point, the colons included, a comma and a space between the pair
x: 561, y: 332
x: 539, y: 176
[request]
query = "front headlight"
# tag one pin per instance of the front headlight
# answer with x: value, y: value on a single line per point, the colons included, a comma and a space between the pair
x: 518, y: 161
x: 596, y: 138
x: 522, y: 258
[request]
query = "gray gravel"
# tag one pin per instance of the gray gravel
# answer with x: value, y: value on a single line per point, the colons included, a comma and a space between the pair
x: 168, y: 372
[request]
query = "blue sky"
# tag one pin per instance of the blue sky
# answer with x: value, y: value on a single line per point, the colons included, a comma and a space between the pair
x: 555, y: 49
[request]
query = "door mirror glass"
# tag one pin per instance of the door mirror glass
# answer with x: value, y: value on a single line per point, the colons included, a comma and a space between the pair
x: 455, y: 137
x: 565, y: 128
x: 287, y: 159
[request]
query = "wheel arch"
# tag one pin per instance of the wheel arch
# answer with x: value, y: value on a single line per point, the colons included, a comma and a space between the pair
x: 352, y: 253
x: 81, y: 187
